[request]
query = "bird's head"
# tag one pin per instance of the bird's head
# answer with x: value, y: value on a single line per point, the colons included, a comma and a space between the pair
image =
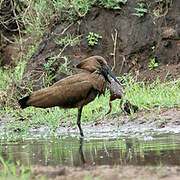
x: 97, y: 63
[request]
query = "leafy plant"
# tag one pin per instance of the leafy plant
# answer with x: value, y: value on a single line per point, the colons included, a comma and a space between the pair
x: 49, y: 67
x: 164, y: 1
x: 52, y: 70
x: 69, y: 39
x: 140, y: 10
x: 49, y: 64
x: 113, y: 4
x: 64, y: 66
x: 153, y: 64
x: 73, y: 9
x: 153, y: 48
x: 93, y: 38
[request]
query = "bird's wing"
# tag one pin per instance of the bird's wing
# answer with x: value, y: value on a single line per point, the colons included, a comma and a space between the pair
x: 72, y: 79
x: 66, y: 95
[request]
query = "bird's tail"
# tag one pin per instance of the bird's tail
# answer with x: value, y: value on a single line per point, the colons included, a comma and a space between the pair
x: 22, y: 102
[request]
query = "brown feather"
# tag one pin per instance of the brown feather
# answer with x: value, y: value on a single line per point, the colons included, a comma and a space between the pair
x: 74, y: 91
x: 91, y: 64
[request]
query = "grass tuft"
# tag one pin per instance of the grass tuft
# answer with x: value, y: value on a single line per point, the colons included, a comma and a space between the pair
x: 14, y: 171
x: 10, y: 85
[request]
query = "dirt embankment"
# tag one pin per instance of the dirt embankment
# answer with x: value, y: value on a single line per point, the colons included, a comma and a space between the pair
x: 108, y: 172
x: 139, y: 40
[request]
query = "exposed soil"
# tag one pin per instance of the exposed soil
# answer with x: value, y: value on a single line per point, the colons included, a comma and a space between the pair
x: 135, y: 39
x: 142, y: 124
x: 138, y: 41
x: 109, y: 173
x: 145, y: 123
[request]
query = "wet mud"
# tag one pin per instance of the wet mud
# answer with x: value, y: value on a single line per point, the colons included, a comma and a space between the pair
x: 141, y: 123
x: 145, y: 145
x: 110, y: 173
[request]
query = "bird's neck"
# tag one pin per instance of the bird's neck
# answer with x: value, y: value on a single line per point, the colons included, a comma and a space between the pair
x: 104, y: 74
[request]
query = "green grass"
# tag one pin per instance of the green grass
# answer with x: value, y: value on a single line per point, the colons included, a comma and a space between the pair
x: 10, y: 84
x: 153, y: 96
x: 113, y: 4
x: 11, y: 171
x: 157, y: 94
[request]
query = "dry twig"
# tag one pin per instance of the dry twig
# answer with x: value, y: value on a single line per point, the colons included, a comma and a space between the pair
x: 114, y: 51
x: 123, y: 61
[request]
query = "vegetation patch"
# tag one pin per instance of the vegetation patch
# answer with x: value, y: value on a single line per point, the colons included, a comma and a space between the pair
x: 113, y: 4
x: 141, y: 9
x: 17, y: 171
x: 93, y: 38
x: 153, y: 64
x: 10, y: 85
x: 151, y: 96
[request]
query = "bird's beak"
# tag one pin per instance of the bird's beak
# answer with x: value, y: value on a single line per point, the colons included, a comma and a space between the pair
x: 111, y: 74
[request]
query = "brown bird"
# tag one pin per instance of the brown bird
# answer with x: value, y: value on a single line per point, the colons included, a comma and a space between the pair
x: 74, y: 91
x: 117, y: 93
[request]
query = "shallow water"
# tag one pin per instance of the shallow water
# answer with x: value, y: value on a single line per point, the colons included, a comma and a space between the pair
x: 69, y: 150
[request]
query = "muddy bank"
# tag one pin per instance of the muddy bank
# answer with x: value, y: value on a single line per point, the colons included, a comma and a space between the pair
x: 139, y: 40
x: 142, y: 124
x: 145, y: 123
x: 144, y: 161
x: 109, y: 172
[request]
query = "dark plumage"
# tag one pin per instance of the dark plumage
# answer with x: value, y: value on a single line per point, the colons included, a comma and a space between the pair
x: 22, y: 102
x: 74, y: 91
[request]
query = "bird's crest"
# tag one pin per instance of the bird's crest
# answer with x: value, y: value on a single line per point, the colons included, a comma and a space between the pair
x: 92, y: 64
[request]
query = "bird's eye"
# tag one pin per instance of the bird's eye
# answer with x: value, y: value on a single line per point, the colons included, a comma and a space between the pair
x: 100, y: 62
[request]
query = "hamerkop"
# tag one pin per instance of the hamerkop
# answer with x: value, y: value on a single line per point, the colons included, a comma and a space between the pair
x: 74, y: 91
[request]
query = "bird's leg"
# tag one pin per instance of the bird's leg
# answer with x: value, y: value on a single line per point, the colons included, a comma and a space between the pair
x: 110, y: 107
x: 81, y: 150
x: 120, y: 104
x: 79, y: 120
